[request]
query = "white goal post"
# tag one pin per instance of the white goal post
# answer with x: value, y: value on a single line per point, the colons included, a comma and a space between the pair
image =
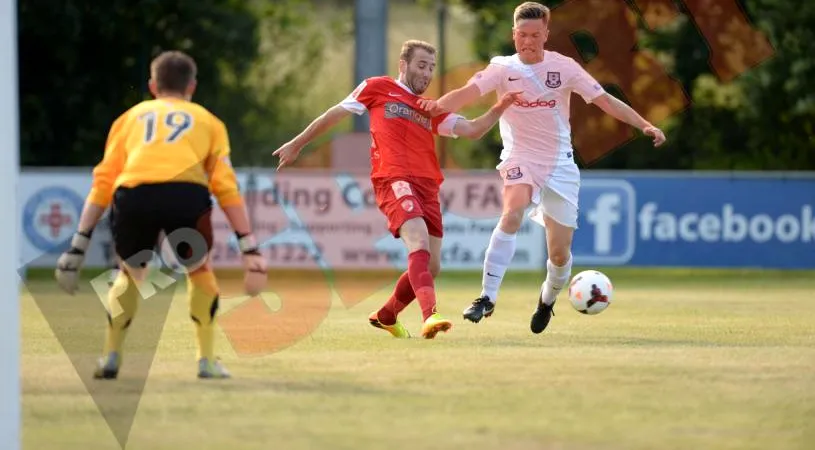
x: 10, y: 397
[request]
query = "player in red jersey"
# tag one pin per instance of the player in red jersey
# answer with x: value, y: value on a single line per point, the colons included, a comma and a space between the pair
x: 405, y: 172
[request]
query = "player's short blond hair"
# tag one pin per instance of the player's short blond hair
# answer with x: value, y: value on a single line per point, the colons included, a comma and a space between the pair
x: 409, y: 48
x: 531, y: 10
x: 173, y: 71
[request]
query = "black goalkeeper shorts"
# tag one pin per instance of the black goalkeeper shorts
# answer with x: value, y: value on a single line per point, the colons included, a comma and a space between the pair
x: 183, y: 211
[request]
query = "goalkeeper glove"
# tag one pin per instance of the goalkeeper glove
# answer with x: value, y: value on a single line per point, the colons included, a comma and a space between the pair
x: 70, y: 262
x: 254, y: 266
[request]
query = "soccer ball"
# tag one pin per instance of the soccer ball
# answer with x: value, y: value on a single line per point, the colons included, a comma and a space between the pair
x: 590, y: 292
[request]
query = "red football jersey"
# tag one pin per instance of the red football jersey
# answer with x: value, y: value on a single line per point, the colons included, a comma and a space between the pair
x: 402, y: 142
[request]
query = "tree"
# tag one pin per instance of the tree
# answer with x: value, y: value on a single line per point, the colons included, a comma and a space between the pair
x: 777, y: 110
x: 761, y: 120
x: 83, y: 63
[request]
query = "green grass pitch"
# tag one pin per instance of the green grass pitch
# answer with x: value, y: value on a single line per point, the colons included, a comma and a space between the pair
x: 681, y: 359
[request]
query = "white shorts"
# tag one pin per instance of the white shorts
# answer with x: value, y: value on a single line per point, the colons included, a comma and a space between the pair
x: 555, y: 189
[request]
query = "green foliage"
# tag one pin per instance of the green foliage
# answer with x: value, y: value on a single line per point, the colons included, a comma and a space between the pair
x: 779, y: 104
x: 291, y: 53
x: 83, y: 63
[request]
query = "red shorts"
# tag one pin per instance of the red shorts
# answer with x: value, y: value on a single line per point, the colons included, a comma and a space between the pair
x: 403, y: 198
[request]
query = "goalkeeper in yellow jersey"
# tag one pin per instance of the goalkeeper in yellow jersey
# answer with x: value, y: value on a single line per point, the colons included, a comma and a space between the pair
x: 164, y: 158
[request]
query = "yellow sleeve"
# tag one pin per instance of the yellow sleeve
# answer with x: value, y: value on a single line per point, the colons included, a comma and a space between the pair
x: 223, y: 183
x: 107, y: 171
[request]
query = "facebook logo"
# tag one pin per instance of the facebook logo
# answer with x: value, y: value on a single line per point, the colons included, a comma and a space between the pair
x: 607, y: 223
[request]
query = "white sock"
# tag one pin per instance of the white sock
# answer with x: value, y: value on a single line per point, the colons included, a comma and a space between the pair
x: 496, y: 260
x: 556, y: 278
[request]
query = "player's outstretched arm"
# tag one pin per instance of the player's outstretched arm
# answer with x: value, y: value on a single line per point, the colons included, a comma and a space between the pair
x: 619, y: 110
x: 254, y: 265
x: 70, y: 262
x: 452, y: 101
x: 478, y: 127
x: 223, y: 185
x: 105, y: 174
x: 289, y: 151
x: 459, y: 98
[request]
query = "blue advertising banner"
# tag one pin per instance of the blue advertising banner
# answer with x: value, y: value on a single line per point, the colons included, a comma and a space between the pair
x: 312, y: 217
x: 691, y: 220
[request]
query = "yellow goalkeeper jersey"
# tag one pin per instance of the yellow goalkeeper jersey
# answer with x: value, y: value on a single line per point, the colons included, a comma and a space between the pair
x: 162, y: 141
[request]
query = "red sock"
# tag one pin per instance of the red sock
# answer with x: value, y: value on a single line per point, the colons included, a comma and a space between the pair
x: 400, y: 299
x: 422, y: 281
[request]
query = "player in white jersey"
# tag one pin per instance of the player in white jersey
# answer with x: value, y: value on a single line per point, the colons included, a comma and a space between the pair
x: 537, y: 162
